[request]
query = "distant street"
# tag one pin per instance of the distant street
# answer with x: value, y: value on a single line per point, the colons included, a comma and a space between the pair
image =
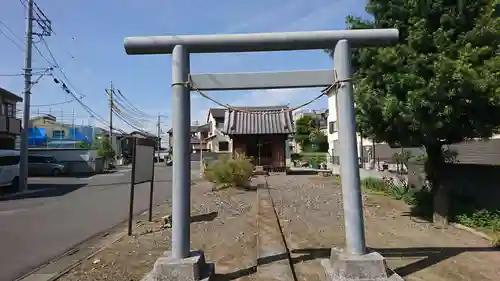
x: 38, y: 226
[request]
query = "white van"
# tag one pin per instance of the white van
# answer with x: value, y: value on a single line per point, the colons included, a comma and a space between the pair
x: 9, y: 168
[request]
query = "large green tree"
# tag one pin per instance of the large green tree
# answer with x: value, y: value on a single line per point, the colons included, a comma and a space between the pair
x: 309, y: 135
x: 303, y: 127
x: 439, y: 85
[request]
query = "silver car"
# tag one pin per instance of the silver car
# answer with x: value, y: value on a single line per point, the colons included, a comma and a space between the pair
x: 43, y: 165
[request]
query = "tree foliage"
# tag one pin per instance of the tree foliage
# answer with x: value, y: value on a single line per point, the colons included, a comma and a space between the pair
x: 440, y: 84
x: 308, y: 133
x: 303, y: 127
x: 104, y: 148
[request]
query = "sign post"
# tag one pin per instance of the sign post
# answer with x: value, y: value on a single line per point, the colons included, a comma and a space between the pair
x: 142, y: 171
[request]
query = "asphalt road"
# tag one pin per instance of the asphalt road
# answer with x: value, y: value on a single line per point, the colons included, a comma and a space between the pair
x: 62, y: 212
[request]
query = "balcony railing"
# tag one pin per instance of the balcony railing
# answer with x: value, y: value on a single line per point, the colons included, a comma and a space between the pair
x: 10, y: 125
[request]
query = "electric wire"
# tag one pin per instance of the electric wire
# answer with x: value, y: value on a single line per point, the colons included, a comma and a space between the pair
x: 10, y: 38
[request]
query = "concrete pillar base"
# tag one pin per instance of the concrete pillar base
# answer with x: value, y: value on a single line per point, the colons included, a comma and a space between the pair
x: 193, y: 268
x: 368, y: 267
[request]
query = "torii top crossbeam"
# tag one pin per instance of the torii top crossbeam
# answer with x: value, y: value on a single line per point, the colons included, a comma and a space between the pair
x: 254, y: 42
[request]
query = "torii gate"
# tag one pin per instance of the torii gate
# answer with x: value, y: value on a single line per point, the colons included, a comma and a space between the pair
x: 180, y: 47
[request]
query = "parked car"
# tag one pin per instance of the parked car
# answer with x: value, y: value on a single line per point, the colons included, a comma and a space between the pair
x: 43, y: 165
x: 9, y: 169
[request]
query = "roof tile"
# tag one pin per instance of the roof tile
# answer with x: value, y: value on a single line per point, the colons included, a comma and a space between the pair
x: 261, y: 121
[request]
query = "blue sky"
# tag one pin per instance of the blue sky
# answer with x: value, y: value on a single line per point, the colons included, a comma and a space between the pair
x: 88, y: 45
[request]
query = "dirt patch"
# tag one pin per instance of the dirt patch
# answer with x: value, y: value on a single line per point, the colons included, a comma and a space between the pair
x: 310, y: 209
x: 223, y: 225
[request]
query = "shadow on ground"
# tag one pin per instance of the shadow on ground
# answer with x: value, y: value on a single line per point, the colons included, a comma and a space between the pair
x: 124, y: 182
x: 39, y: 190
x: 303, y: 172
x: 204, y: 217
x: 249, y: 187
x: 429, y: 256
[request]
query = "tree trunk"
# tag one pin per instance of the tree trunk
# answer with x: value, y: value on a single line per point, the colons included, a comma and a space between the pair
x: 434, y: 169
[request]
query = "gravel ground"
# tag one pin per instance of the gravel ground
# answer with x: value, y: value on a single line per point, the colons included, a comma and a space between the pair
x: 224, y: 226
x: 310, y: 209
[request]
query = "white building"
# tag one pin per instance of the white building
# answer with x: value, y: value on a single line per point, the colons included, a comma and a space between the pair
x: 333, y: 134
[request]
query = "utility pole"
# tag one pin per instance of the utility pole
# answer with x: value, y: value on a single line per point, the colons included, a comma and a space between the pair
x: 23, y: 161
x: 111, y: 92
x: 158, y: 138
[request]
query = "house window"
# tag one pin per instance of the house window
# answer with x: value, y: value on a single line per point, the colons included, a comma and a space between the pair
x: 332, y: 127
x: 219, y: 123
x: 58, y: 134
x: 10, y: 110
x: 223, y: 146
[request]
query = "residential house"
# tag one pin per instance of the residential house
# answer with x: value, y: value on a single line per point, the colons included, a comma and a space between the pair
x: 10, y: 126
x: 217, y: 141
x: 142, y: 134
x: 479, y: 152
x: 261, y: 133
x: 124, y: 143
x: 364, y: 145
x: 198, y: 135
x: 46, y: 130
x: 199, y: 139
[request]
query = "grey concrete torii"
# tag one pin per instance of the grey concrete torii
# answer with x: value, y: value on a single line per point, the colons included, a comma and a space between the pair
x: 181, y: 46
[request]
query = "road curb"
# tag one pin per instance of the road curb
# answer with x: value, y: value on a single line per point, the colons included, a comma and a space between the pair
x: 20, y: 193
x: 473, y: 231
x: 112, y: 241
x: 62, y: 264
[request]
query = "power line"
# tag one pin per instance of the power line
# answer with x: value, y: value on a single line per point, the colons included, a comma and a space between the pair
x: 125, y: 110
x: 11, y: 31
x: 132, y: 106
x: 12, y: 40
x: 84, y: 106
x: 20, y: 74
x: 45, y: 25
x: 53, y: 104
x: 50, y: 52
x: 127, y: 118
x: 57, y: 65
x: 128, y: 113
x: 128, y: 123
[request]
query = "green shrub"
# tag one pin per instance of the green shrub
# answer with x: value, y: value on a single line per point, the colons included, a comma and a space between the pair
x: 317, y: 159
x: 399, y: 191
x: 375, y: 184
x: 481, y: 219
x: 227, y: 171
x: 296, y: 156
